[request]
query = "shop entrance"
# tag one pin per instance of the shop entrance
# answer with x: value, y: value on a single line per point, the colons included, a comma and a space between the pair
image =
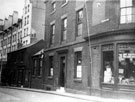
x: 62, y: 70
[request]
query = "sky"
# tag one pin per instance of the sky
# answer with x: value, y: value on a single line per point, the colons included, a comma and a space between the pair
x: 8, y: 6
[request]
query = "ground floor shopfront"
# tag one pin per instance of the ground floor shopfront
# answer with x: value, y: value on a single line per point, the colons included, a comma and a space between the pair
x: 109, y: 73
x: 113, y: 64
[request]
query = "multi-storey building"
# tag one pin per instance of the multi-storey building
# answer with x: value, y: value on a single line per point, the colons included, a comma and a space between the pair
x: 90, y: 47
x: 1, y: 29
x: 21, y: 32
x: 33, y: 21
x: 66, y: 49
x: 9, y: 35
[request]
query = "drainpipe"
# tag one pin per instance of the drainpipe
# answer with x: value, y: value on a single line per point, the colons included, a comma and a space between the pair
x: 89, y: 43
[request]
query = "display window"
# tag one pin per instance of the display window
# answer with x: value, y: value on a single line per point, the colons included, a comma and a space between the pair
x: 126, y: 70
x: 108, y: 68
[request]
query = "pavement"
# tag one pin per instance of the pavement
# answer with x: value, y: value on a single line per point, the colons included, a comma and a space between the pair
x: 17, y: 94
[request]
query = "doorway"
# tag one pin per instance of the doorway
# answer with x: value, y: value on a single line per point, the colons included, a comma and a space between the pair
x: 20, y: 77
x: 62, y: 71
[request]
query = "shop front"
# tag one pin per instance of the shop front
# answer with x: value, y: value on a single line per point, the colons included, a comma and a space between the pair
x: 126, y: 64
x: 115, y: 64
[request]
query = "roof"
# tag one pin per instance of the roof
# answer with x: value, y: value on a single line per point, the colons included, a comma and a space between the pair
x: 26, y: 46
x: 39, y: 52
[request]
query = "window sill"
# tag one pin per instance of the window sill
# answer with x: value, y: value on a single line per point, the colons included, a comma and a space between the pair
x: 78, y: 37
x: 64, y: 4
x: 63, y: 42
x: 78, y: 80
x: 33, y: 76
x: 107, y: 83
x: 50, y: 77
x: 39, y: 76
x: 53, y: 12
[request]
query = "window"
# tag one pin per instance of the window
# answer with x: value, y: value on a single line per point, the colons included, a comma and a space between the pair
x: 64, y: 29
x: 34, y: 66
x: 64, y: 1
x: 28, y: 8
x: 108, y: 68
x: 53, y: 6
x: 79, y: 22
x: 26, y: 42
x: 52, y: 33
x: 15, y: 37
x: 78, y: 64
x: 127, y: 9
x: 25, y: 10
x: 24, y: 32
x: 28, y: 19
x: 40, y: 67
x: 50, y: 72
x: 126, y: 67
x: 25, y: 21
x: 27, y: 31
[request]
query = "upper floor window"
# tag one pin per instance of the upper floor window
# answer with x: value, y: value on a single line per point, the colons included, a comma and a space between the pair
x: 64, y: 1
x: 25, y: 21
x: 24, y: 32
x: 28, y: 19
x: 79, y: 22
x: 25, y: 10
x: 28, y: 8
x: 52, y: 33
x: 127, y: 9
x: 53, y: 6
x: 64, y: 29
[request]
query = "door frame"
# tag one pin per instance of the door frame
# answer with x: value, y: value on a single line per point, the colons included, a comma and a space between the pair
x: 65, y: 70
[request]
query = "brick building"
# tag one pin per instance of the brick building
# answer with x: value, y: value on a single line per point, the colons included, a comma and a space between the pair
x: 33, y: 21
x: 66, y: 52
x: 90, y: 47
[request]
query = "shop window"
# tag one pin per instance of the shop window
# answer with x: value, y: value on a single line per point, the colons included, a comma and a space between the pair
x: 79, y: 22
x: 64, y: 29
x: 126, y: 70
x: 78, y: 64
x: 108, y: 68
x: 127, y: 8
x: 50, y: 71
